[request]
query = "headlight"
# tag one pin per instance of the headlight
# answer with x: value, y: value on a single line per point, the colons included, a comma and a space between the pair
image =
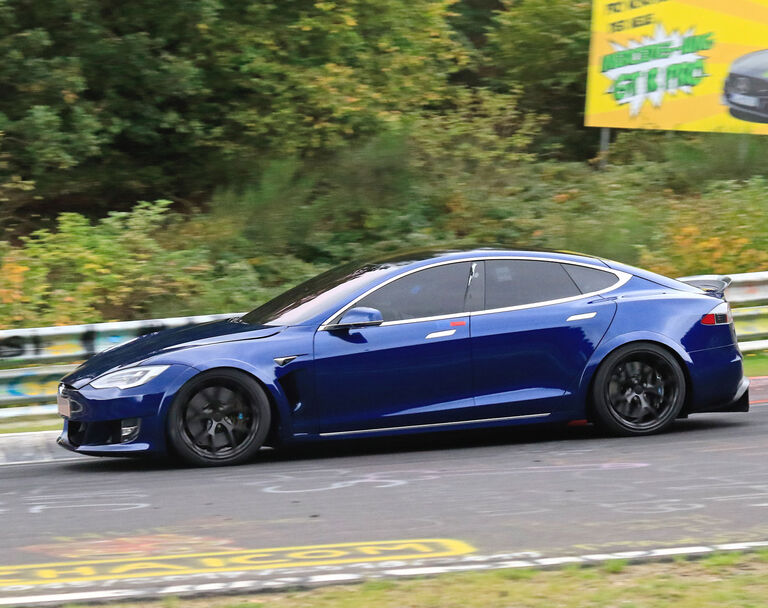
x: 130, y: 377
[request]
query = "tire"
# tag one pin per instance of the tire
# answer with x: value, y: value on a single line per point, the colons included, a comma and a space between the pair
x: 639, y: 389
x: 221, y: 417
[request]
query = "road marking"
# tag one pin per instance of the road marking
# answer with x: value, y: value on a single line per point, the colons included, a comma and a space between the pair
x: 68, y: 597
x: 361, y: 571
x: 229, y: 561
x: 111, y: 547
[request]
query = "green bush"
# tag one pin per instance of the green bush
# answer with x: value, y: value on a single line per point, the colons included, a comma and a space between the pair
x: 686, y: 163
x: 721, y: 231
x: 115, y: 269
x: 460, y: 186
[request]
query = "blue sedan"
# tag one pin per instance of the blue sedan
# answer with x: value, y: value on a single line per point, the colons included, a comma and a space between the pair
x: 420, y: 342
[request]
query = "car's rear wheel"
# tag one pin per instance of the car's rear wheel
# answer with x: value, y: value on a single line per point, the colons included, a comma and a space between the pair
x: 221, y: 417
x: 639, y: 389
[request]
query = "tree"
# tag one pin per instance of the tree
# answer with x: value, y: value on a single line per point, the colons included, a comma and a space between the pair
x: 120, y: 100
x: 543, y: 45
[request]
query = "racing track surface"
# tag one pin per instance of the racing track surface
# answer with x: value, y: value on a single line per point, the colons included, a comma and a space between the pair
x: 98, y: 522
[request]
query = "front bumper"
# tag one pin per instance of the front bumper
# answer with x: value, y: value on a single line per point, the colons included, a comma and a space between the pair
x: 98, y: 441
x: 94, y: 426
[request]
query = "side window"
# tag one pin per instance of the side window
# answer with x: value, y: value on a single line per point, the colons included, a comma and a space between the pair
x: 590, y: 279
x: 520, y: 282
x: 427, y: 293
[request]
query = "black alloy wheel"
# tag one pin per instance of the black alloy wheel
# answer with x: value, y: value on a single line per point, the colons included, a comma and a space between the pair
x: 639, y: 389
x: 221, y: 417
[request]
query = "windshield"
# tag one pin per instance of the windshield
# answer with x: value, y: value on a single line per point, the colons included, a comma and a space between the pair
x: 312, y: 297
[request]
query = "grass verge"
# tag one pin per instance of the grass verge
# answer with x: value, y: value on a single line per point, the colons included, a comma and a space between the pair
x: 756, y: 364
x: 718, y: 580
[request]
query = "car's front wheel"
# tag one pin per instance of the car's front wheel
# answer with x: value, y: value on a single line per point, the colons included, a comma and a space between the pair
x: 639, y: 389
x: 221, y: 417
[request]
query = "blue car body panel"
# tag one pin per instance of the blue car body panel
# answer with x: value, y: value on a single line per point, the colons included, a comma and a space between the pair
x: 164, y: 343
x: 529, y: 361
x: 394, y: 374
x: 473, y: 368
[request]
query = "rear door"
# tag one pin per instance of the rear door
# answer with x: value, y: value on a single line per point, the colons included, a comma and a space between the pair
x: 541, y: 322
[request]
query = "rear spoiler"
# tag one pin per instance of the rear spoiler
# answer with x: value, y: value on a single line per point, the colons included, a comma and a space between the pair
x: 711, y: 284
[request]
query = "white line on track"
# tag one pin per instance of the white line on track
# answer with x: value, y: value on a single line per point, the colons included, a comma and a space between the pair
x: 30, y: 434
x: 45, y: 461
x: 70, y: 597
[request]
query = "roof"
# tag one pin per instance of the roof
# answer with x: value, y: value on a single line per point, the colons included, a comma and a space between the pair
x: 417, y: 256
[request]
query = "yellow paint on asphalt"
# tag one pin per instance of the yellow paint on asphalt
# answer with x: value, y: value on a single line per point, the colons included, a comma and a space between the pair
x: 230, y: 561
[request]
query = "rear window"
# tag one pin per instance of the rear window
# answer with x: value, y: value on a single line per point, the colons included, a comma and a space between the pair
x: 520, y: 282
x: 590, y: 279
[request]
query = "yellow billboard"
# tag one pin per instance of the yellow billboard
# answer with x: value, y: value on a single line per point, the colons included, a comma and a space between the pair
x: 687, y: 65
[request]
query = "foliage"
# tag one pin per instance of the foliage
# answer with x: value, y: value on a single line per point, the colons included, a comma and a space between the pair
x: 543, y: 46
x: 721, y: 231
x: 152, y: 263
x: 479, y: 131
x: 126, y: 99
x: 473, y: 18
x: 107, y: 103
x: 687, y: 162
x: 299, y: 134
x: 114, y: 269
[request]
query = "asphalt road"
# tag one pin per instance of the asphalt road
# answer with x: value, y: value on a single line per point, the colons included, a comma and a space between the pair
x: 539, y: 490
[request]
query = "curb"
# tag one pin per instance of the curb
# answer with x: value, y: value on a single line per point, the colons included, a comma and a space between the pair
x: 275, y: 580
x: 34, y: 447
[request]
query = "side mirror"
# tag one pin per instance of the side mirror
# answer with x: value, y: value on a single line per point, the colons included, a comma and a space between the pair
x: 360, y: 316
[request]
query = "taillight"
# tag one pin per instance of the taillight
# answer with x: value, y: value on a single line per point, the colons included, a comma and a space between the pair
x: 720, y: 315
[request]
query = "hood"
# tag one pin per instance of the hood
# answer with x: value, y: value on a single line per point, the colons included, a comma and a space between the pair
x: 754, y: 65
x: 149, y: 345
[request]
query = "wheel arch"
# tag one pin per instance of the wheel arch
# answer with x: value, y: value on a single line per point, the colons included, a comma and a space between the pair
x: 604, y: 350
x: 271, y: 391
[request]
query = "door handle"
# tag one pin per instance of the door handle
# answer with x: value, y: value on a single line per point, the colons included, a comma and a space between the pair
x: 581, y: 317
x: 441, y: 334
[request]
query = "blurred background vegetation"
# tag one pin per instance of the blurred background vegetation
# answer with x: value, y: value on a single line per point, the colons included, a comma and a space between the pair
x: 278, y: 138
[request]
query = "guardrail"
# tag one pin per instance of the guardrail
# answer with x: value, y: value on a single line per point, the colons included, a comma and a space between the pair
x: 38, y: 384
x: 748, y: 294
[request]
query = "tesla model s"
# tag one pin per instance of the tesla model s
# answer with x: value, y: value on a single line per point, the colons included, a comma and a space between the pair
x: 417, y: 343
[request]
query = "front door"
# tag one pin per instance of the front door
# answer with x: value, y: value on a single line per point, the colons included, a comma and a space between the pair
x: 414, y: 370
